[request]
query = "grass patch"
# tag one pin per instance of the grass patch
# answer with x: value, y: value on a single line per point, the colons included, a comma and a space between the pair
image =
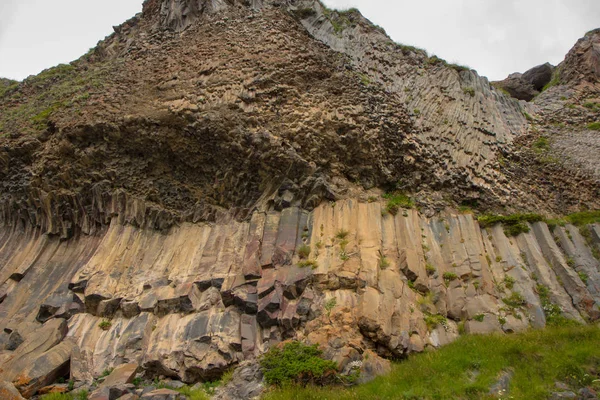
x: 434, y: 320
x: 514, y: 224
x: 296, y: 363
x: 105, y: 325
x: 80, y: 395
x: 538, y: 358
x: 594, y: 126
x: 469, y: 90
x: 308, y: 263
x: 397, y: 200
x: 342, y: 234
x: 304, y: 251
x: 449, y: 276
x: 554, y: 81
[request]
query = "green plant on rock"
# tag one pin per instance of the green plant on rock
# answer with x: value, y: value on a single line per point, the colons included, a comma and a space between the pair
x: 469, y: 90
x: 342, y: 234
x: 330, y: 305
x: 553, y: 313
x: 308, y: 263
x: 397, y: 200
x: 479, y: 317
x: 297, y: 363
x: 430, y: 269
x: 594, y: 126
x: 515, y: 301
x: 449, y: 276
x: 509, y: 282
x: 434, y: 320
x: 304, y: 251
x: 105, y: 325
x: 384, y: 263
x: 584, y: 277
x: 514, y: 224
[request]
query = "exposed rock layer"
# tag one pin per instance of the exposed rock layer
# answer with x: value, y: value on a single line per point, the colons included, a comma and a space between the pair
x: 194, y: 301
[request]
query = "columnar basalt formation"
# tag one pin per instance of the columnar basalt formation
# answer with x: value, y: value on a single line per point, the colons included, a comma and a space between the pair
x: 194, y: 301
x: 207, y: 182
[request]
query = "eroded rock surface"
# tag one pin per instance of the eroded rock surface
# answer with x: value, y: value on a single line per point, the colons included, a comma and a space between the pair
x: 208, y: 297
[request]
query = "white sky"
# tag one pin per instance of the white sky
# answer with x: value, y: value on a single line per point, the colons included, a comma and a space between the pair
x: 495, y: 37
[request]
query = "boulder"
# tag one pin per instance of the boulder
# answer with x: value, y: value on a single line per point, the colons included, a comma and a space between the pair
x: 44, y: 370
x: 539, y: 76
x: 9, y: 392
x: 121, y: 375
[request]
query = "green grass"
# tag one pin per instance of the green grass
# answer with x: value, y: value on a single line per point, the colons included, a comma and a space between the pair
x: 594, y: 126
x: 397, y: 200
x: 469, y: 90
x: 81, y: 395
x: 304, y: 251
x: 468, y: 367
x: 554, y: 81
x: 514, y: 224
x: 296, y: 362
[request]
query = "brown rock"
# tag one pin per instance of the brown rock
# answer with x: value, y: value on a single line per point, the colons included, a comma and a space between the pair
x: 45, y: 369
x: 9, y: 392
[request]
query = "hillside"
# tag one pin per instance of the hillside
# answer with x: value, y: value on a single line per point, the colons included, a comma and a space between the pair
x: 217, y: 177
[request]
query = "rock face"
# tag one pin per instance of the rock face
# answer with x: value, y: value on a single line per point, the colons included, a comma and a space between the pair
x: 206, y: 183
x: 208, y: 297
x: 528, y: 85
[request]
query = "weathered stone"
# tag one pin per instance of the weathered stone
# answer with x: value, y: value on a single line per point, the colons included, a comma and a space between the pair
x: 9, y: 392
x: 121, y: 375
x: 45, y: 369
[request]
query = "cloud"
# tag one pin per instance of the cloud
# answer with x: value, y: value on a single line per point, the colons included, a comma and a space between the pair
x: 8, y: 9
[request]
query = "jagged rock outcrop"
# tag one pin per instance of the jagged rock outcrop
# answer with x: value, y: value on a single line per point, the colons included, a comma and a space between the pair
x: 529, y: 84
x: 207, y: 183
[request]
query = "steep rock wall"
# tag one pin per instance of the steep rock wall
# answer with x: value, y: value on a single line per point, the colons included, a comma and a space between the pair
x: 191, y: 302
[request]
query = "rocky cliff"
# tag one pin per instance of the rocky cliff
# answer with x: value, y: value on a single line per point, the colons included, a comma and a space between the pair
x: 207, y: 182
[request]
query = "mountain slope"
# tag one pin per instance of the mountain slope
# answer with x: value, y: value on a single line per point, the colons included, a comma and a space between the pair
x: 209, y: 181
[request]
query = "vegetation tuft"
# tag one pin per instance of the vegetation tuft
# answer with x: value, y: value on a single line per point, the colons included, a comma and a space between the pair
x: 297, y: 363
x: 594, y: 126
x: 467, y: 368
x: 514, y: 224
x: 397, y: 200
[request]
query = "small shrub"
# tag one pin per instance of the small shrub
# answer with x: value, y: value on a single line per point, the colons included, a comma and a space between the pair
x: 584, y: 277
x: 509, y: 282
x: 479, y: 317
x: 227, y: 376
x: 297, y: 363
x: 570, y: 261
x: 105, y: 325
x: 342, y: 234
x: 396, y: 201
x: 344, y: 256
x: 308, y: 263
x: 106, y: 372
x: 304, y: 251
x: 469, y: 90
x: 515, y: 300
x: 450, y: 276
x: 330, y: 305
x: 430, y: 269
x: 433, y: 320
x: 594, y: 126
x: 383, y: 261
x: 501, y: 320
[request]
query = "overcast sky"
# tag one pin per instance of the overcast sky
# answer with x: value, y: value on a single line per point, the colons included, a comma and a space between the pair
x: 495, y: 37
